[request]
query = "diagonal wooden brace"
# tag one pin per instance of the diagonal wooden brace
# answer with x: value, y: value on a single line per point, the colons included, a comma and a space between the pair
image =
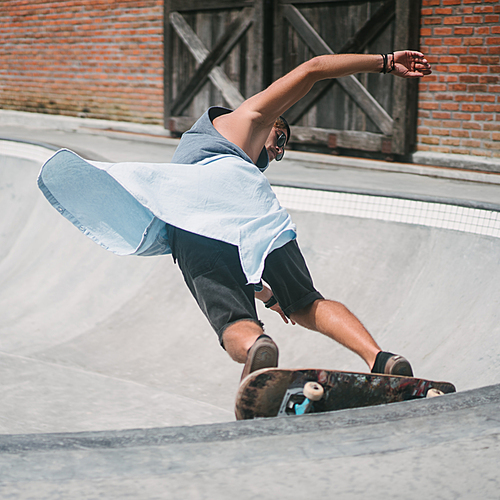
x: 209, y: 61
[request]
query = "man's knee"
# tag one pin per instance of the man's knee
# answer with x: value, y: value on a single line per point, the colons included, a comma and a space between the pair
x: 308, y: 315
x: 305, y: 315
x: 239, y: 336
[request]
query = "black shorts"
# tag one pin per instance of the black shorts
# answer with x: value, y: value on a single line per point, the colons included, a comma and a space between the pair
x: 213, y: 273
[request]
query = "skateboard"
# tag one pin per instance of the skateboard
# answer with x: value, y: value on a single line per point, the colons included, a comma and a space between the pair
x: 274, y: 392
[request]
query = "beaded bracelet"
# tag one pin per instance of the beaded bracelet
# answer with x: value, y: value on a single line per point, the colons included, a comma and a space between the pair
x: 385, y: 58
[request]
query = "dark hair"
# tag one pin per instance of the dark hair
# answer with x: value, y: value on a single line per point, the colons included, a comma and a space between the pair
x: 282, y: 123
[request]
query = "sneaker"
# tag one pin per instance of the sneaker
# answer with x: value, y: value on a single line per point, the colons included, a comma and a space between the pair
x: 263, y: 354
x: 392, y: 364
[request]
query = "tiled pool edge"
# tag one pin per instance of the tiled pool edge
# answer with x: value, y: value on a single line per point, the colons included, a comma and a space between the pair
x: 483, y: 221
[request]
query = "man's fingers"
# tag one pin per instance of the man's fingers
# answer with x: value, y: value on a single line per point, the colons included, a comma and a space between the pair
x: 277, y: 308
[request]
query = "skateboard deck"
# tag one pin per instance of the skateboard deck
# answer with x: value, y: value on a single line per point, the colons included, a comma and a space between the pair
x: 275, y: 392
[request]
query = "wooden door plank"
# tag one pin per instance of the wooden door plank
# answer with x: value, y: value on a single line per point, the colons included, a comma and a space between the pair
x: 370, y: 30
x: 350, y: 84
x: 200, y: 53
x: 205, y: 5
x: 232, y: 35
x: 406, y: 90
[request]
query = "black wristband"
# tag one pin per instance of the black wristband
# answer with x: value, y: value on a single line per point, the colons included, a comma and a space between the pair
x: 271, y: 302
x: 384, y: 67
x: 388, y: 66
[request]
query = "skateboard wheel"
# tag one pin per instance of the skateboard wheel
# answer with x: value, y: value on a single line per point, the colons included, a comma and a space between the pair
x: 313, y: 391
x: 432, y: 393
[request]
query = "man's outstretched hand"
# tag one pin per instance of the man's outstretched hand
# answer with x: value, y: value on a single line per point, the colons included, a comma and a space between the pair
x: 265, y: 294
x: 410, y: 64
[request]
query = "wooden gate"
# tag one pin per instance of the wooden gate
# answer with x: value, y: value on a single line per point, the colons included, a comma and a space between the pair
x: 219, y: 52
x: 215, y: 53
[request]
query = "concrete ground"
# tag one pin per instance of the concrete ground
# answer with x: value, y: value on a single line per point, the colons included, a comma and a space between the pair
x: 114, y: 386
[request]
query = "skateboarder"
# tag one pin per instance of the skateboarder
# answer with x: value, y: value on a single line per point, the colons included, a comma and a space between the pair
x: 214, y: 270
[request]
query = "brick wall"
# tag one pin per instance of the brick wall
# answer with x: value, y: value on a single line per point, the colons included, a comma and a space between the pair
x: 91, y: 58
x: 459, y: 105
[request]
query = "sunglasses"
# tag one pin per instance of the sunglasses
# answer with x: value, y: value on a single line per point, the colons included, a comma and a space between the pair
x: 281, y: 144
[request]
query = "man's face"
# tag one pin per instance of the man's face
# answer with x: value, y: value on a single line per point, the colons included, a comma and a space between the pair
x: 275, y: 144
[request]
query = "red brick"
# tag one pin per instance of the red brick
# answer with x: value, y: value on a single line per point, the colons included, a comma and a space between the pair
x: 442, y: 31
x: 451, y: 124
x: 451, y: 106
x: 432, y: 20
x: 469, y: 59
x: 473, y: 108
x: 479, y: 134
x: 471, y: 143
x: 490, y: 60
x: 492, y: 19
x: 443, y: 97
x: 491, y: 108
x: 457, y: 68
x: 440, y: 50
x: 491, y: 145
x: 447, y: 11
x: 440, y: 67
x: 459, y: 87
x: 440, y: 131
x: 460, y: 133
x: 433, y: 41
x: 479, y: 50
x: 460, y: 50
x: 437, y: 87
x: 473, y: 19
x: 429, y: 105
x: 478, y: 69
x: 441, y: 116
x: 464, y: 98
x: 462, y: 116
x: 451, y: 142
x: 456, y: 41
x: 478, y: 88
x: 473, y: 41
x: 485, y: 98
x: 448, y: 60
x: 483, y: 10
x: 430, y: 140
x: 463, y: 30
x: 460, y: 151
x: 492, y: 126
x: 483, y: 117
x: 455, y: 20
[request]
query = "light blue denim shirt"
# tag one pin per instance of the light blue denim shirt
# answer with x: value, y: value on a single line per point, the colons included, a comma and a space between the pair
x: 124, y: 206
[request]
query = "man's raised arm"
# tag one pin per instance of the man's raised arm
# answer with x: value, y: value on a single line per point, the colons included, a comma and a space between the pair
x: 249, y: 125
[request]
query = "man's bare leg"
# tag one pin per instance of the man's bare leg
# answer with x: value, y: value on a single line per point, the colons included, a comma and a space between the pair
x: 239, y: 337
x: 336, y: 322
x: 246, y: 343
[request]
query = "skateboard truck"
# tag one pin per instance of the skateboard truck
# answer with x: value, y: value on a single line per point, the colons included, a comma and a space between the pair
x: 300, y: 400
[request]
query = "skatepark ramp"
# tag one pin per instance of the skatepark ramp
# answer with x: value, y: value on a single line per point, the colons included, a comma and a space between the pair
x: 92, y: 342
